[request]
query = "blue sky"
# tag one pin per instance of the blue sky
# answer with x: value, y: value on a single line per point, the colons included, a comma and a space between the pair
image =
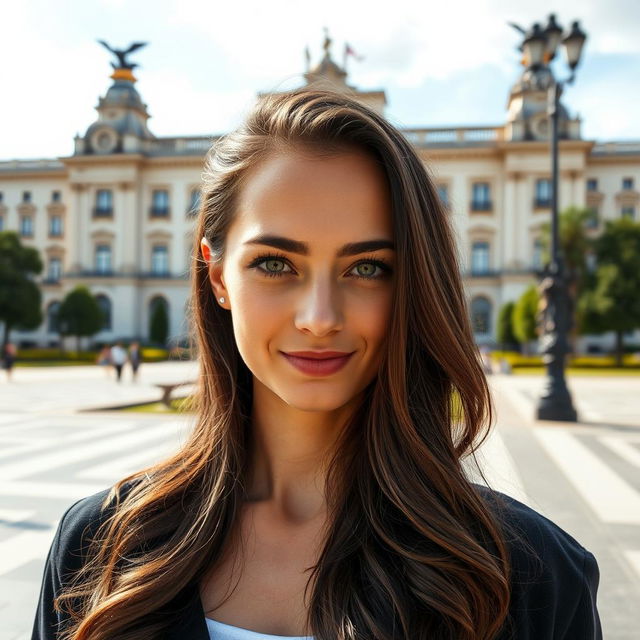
x: 206, y: 61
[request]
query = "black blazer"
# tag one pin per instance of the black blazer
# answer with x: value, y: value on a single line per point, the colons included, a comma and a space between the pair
x: 555, y: 600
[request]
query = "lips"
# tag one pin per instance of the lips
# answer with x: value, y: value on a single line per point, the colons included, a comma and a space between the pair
x: 318, y: 363
x: 318, y: 355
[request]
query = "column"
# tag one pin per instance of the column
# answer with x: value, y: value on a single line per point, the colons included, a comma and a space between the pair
x: 126, y: 229
x: 509, y: 226
x: 76, y: 228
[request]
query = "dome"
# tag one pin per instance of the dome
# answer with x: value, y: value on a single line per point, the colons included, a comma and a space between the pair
x: 123, y: 94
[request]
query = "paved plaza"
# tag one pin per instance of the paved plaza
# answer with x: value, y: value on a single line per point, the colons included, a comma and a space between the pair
x: 56, y: 446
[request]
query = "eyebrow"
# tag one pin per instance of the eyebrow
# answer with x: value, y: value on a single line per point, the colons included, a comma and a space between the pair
x: 295, y: 246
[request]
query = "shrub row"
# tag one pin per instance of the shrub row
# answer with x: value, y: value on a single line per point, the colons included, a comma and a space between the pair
x: 516, y: 359
x: 149, y: 354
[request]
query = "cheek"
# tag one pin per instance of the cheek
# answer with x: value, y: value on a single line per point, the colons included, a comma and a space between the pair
x: 371, y: 317
x: 256, y: 315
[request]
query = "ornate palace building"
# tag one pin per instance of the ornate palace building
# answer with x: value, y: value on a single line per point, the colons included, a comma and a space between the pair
x: 118, y: 215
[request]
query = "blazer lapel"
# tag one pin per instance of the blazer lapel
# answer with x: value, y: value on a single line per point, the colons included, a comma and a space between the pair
x: 191, y: 622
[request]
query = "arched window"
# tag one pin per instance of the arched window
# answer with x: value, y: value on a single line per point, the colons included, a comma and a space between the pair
x: 105, y: 306
x: 52, y: 316
x: 155, y: 301
x: 481, y: 315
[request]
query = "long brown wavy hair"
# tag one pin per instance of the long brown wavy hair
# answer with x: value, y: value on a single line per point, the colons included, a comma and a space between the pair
x: 413, y: 549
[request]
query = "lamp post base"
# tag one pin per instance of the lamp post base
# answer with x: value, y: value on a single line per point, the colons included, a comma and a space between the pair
x: 557, y: 407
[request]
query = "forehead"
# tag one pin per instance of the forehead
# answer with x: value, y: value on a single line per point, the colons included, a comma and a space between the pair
x: 317, y: 199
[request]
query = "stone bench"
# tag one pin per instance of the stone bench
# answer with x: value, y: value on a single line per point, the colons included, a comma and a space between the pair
x: 167, y: 390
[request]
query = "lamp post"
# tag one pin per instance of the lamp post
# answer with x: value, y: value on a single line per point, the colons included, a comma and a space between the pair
x: 555, y: 403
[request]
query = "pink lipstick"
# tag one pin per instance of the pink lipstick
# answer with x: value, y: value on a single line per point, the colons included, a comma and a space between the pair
x: 318, y: 363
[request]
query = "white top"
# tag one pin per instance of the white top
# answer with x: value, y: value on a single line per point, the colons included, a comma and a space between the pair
x: 222, y: 631
x: 118, y: 355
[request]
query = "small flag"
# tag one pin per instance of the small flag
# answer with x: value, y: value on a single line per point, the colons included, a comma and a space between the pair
x: 348, y: 51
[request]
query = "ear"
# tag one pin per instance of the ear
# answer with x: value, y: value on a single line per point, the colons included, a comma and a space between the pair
x: 215, y: 273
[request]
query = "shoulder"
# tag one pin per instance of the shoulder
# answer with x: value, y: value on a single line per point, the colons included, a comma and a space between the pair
x: 78, y: 527
x: 531, y: 533
x: 68, y: 553
x: 554, y: 578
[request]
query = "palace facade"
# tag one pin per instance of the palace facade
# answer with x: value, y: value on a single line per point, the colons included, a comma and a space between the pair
x: 118, y: 214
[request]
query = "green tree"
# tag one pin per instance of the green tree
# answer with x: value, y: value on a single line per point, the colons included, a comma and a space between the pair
x: 159, y: 324
x: 504, y: 331
x: 80, y: 314
x: 20, y: 297
x: 524, y: 316
x: 575, y: 242
x: 612, y: 300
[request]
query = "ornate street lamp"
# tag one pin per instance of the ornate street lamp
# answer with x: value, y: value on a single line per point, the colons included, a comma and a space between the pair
x: 539, y: 48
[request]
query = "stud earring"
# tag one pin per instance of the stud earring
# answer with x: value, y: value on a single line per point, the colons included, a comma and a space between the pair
x: 221, y: 300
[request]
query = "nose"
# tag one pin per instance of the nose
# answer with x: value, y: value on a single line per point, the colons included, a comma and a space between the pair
x: 320, y: 309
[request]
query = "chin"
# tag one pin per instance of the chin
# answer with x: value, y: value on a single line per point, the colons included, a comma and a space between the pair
x: 316, y: 401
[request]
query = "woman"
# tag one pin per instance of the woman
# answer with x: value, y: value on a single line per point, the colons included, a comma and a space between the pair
x: 9, y: 356
x: 322, y: 492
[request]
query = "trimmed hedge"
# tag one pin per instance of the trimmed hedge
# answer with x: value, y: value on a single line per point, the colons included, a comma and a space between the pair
x: 28, y: 355
x: 150, y: 354
x: 516, y: 359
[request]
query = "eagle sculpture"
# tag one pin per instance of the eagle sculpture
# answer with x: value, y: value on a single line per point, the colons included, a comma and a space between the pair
x: 122, y: 54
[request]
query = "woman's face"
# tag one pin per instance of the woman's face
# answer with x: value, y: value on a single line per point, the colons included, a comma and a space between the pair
x: 316, y: 290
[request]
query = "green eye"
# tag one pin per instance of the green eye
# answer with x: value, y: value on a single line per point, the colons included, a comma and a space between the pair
x: 271, y: 263
x: 371, y: 268
x: 371, y: 264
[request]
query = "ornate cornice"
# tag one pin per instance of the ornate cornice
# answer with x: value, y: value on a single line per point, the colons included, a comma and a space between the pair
x: 26, y: 209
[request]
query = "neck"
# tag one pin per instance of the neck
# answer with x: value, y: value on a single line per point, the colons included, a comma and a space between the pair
x: 289, y: 454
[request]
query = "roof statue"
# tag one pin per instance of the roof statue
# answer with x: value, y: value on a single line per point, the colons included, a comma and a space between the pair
x: 122, y: 54
x: 327, y: 43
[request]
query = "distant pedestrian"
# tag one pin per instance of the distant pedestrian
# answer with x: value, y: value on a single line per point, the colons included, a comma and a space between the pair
x: 118, y: 358
x: 104, y: 359
x: 8, y: 358
x: 135, y: 358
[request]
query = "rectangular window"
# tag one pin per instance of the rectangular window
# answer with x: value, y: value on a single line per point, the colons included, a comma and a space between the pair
x: 627, y: 184
x: 160, y: 203
x: 592, y: 221
x: 194, y: 202
x: 543, y: 193
x: 160, y: 259
x: 56, y: 196
x: 592, y: 184
x: 629, y: 212
x: 26, y: 226
x: 103, y: 258
x: 480, y: 258
x: 1, y: 223
x: 55, y: 226
x: 443, y: 192
x: 104, y: 203
x: 26, y: 196
x: 481, y: 197
x: 55, y: 269
x: 1, y: 197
